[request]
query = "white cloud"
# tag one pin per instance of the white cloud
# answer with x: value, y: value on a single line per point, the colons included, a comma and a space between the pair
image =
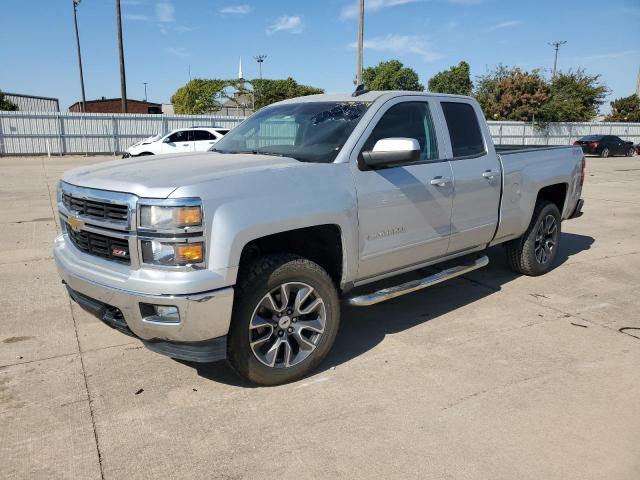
x: 165, y: 12
x: 178, y: 52
x: 137, y: 18
x: 506, y: 24
x: 236, y: 9
x: 351, y: 11
x: 402, y: 44
x: 286, y: 23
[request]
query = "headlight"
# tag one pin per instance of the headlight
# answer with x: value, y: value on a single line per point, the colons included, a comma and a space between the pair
x: 172, y: 254
x: 169, y: 217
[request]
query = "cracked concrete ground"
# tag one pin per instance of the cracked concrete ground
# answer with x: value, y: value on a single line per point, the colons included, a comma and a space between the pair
x: 488, y: 376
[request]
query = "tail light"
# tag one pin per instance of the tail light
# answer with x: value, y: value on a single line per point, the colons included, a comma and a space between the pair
x: 594, y: 144
x: 584, y: 165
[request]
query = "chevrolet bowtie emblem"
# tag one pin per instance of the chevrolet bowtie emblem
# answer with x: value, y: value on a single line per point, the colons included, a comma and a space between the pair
x: 75, y: 223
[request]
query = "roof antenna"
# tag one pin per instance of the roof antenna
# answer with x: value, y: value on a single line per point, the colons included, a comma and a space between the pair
x: 360, y: 90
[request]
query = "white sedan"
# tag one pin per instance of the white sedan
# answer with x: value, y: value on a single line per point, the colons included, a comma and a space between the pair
x: 180, y: 140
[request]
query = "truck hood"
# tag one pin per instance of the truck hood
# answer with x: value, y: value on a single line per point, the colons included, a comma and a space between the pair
x: 158, y: 175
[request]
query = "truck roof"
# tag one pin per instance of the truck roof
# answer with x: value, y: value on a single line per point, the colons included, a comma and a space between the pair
x: 366, y: 97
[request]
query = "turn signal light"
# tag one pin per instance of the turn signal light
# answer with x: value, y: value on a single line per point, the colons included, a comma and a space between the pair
x: 189, y: 253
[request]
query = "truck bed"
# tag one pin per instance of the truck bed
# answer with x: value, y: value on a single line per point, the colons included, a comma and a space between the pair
x: 507, y: 149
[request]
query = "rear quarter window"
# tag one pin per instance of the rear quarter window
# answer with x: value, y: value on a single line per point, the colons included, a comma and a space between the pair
x: 464, y: 129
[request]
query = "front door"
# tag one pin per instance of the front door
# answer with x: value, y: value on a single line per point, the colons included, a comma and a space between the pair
x: 478, y: 178
x: 178, y: 142
x: 404, y: 212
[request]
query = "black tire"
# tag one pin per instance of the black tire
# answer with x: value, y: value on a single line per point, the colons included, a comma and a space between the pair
x: 605, y: 153
x: 256, y: 281
x: 631, y: 152
x: 523, y: 253
x: 144, y: 154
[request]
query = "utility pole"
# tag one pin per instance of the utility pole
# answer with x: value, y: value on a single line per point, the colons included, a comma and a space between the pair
x: 145, y: 91
x: 75, y: 21
x: 360, y: 34
x: 260, y: 59
x: 123, y: 80
x: 556, y: 46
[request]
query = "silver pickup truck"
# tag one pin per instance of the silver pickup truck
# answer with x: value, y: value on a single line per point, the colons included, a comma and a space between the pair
x: 244, y: 253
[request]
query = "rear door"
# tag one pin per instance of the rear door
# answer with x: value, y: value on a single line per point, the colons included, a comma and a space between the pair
x: 404, y: 212
x: 477, y: 176
x: 178, y: 142
x: 203, y: 140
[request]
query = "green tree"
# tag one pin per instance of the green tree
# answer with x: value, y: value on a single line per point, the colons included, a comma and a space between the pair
x: 391, y: 75
x: 512, y: 94
x: 198, y: 96
x: 6, y: 104
x: 270, y: 91
x: 625, y: 109
x: 575, y: 97
x: 456, y: 80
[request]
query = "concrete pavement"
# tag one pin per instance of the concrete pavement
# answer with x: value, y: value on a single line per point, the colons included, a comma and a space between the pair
x: 488, y: 376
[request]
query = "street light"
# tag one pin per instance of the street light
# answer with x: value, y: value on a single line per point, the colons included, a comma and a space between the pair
x: 360, y: 41
x: 260, y: 59
x: 145, y: 90
x: 75, y: 21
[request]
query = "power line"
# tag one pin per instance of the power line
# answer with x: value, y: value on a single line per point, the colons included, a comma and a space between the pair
x: 556, y: 46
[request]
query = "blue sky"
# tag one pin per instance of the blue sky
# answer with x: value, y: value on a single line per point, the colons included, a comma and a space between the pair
x: 311, y: 41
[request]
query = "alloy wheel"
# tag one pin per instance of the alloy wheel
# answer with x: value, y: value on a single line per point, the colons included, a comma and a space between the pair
x: 287, y: 324
x: 546, y: 239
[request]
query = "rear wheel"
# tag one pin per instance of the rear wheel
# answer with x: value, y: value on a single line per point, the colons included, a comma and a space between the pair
x: 534, y: 252
x: 631, y: 152
x: 285, y: 319
x: 605, y: 153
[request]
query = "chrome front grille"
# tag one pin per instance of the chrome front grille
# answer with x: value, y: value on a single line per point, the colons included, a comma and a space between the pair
x: 100, y: 222
x: 100, y: 245
x: 97, y: 209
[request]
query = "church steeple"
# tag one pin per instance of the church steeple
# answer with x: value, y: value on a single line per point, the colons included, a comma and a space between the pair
x: 240, y: 76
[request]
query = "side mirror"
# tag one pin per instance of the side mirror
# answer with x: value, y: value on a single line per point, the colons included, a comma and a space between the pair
x: 392, y: 152
x: 166, y: 140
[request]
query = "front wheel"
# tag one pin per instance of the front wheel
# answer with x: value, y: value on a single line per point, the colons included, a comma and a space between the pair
x: 285, y: 319
x: 631, y: 152
x: 534, y: 252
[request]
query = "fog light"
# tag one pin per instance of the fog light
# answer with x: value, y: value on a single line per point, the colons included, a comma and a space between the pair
x: 159, y: 313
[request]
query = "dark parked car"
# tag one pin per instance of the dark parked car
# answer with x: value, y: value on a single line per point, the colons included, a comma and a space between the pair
x: 605, y: 145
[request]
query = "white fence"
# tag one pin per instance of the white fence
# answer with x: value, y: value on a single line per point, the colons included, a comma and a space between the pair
x: 30, y: 133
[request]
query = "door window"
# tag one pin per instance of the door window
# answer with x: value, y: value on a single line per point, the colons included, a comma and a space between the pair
x: 181, y: 136
x: 464, y: 129
x: 200, y: 135
x: 409, y: 120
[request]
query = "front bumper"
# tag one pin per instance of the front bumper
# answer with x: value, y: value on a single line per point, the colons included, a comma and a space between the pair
x: 204, y: 316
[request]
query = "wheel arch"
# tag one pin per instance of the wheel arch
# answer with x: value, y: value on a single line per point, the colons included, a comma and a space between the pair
x: 322, y: 244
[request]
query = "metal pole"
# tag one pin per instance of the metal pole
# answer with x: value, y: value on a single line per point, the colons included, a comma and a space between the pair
x: 123, y: 81
x: 556, y: 46
x: 360, y: 35
x: 75, y: 21
x: 145, y: 91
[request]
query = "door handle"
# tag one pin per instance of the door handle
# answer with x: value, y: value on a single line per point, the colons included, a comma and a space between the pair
x: 185, y: 144
x: 489, y: 174
x: 440, y: 181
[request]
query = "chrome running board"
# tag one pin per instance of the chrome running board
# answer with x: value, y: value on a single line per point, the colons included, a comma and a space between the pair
x: 414, y: 285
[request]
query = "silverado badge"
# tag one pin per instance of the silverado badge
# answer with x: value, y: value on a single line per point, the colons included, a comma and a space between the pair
x: 75, y: 223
